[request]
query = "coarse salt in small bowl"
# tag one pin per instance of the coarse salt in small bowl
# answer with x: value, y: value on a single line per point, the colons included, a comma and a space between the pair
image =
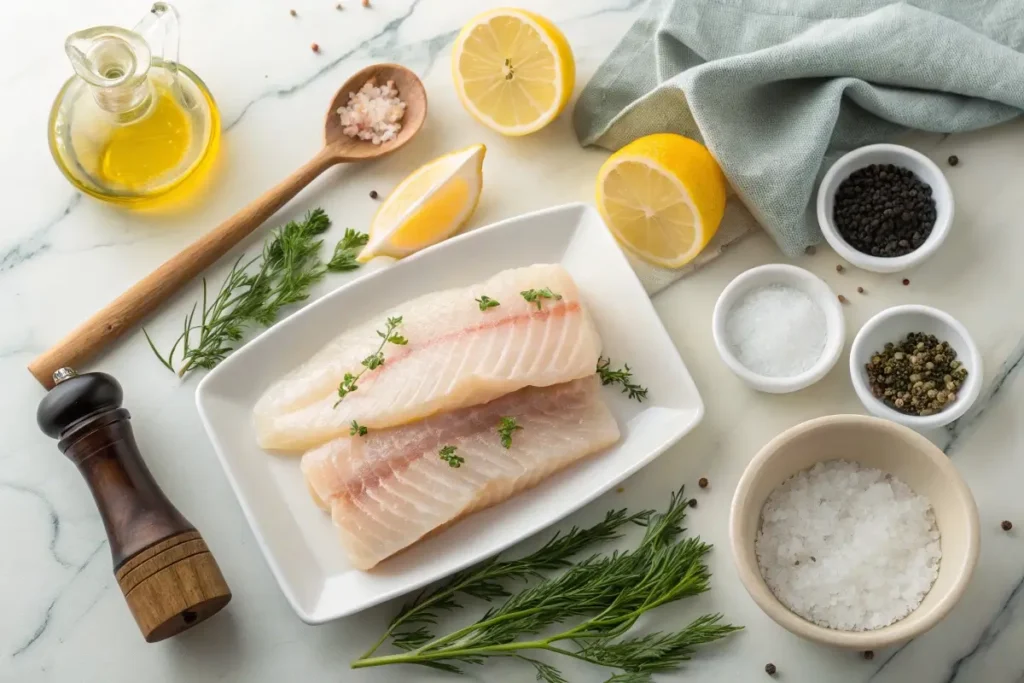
x: 892, y: 325
x: 790, y: 276
x: 875, y: 443
x: 923, y: 167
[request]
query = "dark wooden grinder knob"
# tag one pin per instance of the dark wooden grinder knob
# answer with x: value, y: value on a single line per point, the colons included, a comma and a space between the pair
x: 167, y: 574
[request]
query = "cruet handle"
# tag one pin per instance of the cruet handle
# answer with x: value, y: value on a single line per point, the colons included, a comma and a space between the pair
x: 160, y: 29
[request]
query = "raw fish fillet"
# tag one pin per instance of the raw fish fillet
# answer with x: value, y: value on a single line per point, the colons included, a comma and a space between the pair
x: 388, y: 489
x: 457, y: 356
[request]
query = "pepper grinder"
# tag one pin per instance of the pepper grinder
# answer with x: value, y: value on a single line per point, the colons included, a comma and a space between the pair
x: 168, y: 576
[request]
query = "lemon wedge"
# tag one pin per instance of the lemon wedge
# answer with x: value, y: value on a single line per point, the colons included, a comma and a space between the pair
x: 430, y: 205
x: 513, y: 70
x: 662, y: 197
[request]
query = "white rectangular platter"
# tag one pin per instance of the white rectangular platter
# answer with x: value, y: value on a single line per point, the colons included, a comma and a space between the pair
x: 298, y: 539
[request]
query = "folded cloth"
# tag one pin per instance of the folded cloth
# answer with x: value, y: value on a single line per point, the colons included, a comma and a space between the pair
x: 778, y: 89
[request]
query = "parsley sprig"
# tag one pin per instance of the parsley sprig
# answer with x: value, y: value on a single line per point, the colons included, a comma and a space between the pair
x: 374, y: 360
x: 623, y: 377
x: 579, y: 608
x: 447, y: 453
x: 506, y: 427
x: 256, y: 290
x: 357, y: 429
x: 486, y: 302
x: 534, y: 296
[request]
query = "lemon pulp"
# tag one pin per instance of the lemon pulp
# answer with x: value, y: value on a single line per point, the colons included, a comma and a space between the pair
x: 663, y: 197
x: 513, y: 70
x: 441, y: 208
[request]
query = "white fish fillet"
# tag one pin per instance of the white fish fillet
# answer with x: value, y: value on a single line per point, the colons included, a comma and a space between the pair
x: 457, y: 356
x: 390, y: 488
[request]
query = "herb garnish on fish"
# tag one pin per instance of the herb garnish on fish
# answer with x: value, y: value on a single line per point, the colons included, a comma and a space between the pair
x: 486, y: 302
x: 505, y: 429
x: 607, y: 593
x: 623, y: 377
x: 447, y: 453
x: 375, y: 359
x: 534, y: 296
x: 256, y: 290
x: 357, y: 429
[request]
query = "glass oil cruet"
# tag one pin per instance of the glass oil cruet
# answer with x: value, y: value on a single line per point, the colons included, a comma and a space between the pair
x: 132, y: 124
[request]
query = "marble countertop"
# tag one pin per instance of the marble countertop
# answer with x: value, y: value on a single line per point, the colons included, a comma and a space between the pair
x: 63, y: 256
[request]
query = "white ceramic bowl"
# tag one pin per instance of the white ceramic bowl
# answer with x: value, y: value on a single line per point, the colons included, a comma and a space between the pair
x: 873, y: 443
x: 892, y: 325
x: 923, y: 167
x: 810, y: 284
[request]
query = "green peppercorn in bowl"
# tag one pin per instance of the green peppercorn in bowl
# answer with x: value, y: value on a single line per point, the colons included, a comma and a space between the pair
x: 916, y: 365
x: 885, y: 208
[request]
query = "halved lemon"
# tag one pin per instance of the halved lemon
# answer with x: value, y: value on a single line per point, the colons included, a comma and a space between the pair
x: 430, y: 205
x: 513, y: 70
x: 662, y: 197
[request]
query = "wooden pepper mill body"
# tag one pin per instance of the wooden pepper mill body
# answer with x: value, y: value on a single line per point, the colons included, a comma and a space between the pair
x: 168, y: 576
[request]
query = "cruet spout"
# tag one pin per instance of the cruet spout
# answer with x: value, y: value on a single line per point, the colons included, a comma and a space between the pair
x: 108, y: 56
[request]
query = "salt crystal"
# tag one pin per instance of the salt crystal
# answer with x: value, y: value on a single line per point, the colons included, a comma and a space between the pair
x: 373, y: 113
x: 848, y: 547
x: 776, y: 331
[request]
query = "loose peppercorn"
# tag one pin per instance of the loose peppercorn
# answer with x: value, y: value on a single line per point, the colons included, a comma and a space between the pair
x: 906, y: 282
x: 314, y: 47
x: 702, y: 482
x: 1007, y: 525
x: 839, y: 268
x: 692, y: 503
x: 373, y: 194
x: 884, y: 210
x: 293, y: 13
x: 843, y: 299
x: 953, y: 160
x: 770, y: 669
x: 869, y: 655
x: 811, y: 250
x: 860, y: 290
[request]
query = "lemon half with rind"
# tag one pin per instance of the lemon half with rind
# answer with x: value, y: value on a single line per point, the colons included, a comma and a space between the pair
x: 513, y: 70
x: 433, y: 203
x: 663, y: 197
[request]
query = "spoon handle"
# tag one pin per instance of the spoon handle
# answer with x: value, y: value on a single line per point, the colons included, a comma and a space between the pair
x: 145, y: 296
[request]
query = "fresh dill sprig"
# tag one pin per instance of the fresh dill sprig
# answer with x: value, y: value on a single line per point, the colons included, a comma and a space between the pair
x: 447, y: 453
x: 623, y: 377
x: 374, y: 360
x: 486, y: 302
x: 592, y: 605
x: 254, y: 292
x: 534, y: 296
x: 357, y: 429
x: 505, y: 429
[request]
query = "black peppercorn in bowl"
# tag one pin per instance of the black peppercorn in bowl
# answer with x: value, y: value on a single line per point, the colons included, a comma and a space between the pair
x: 885, y: 208
x: 915, y: 365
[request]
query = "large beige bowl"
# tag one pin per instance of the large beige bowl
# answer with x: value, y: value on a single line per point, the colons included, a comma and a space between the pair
x: 874, y: 443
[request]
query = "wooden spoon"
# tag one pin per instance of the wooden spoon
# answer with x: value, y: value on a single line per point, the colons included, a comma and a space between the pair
x: 145, y: 296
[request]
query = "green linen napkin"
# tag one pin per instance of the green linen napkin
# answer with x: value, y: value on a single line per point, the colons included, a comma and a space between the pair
x: 778, y: 89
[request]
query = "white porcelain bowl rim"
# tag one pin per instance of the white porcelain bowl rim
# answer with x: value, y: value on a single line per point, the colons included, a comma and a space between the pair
x: 941, y: 191
x: 969, y: 392
x: 822, y: 295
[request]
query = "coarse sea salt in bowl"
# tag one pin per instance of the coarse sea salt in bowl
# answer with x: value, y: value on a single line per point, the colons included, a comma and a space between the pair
x: 779, y: 328
x: 868, y: 442
x: 892, y: 325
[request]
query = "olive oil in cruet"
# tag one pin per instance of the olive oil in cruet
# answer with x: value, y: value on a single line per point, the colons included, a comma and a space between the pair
x: 133, y: 126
